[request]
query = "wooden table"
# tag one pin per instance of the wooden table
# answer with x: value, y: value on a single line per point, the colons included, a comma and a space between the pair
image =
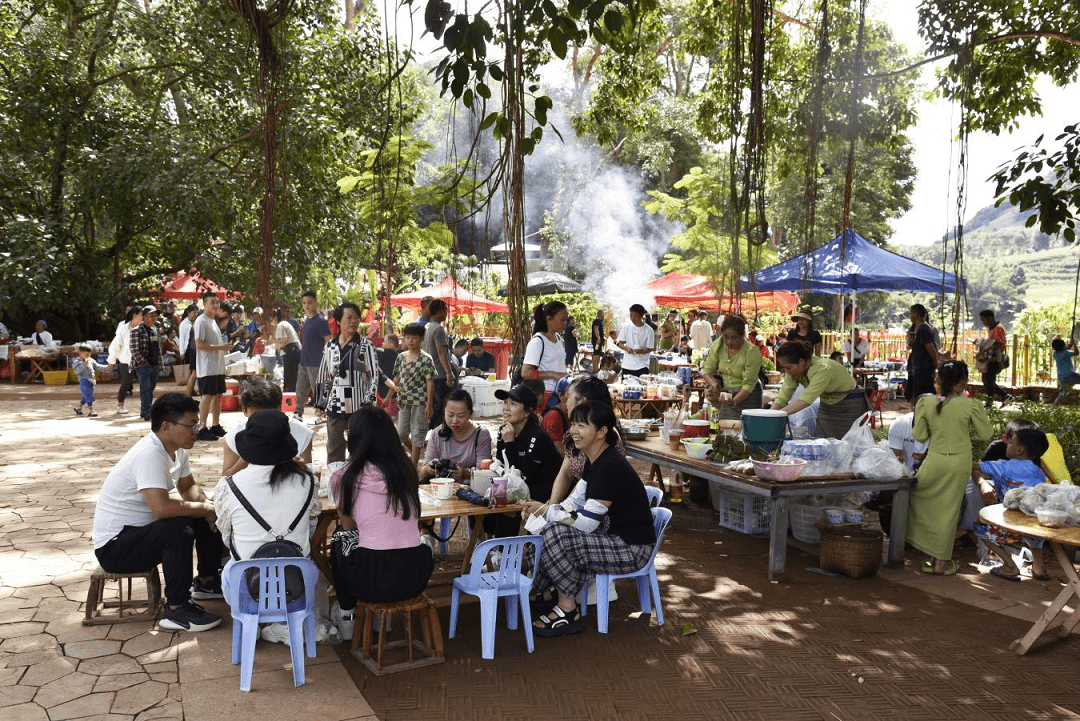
x: 429, y: 511
x: 659, y: 454
x: 645, y: 407
x: 39, y: 360
x: 1020, y: 522
x: 862, y: 375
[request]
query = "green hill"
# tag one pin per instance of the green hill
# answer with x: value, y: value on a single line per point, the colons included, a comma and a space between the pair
x: 996, y: 236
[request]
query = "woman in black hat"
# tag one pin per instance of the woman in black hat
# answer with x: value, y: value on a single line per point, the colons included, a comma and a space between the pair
x: 274, y: 482
x: 376, y: 554
x: 804, y: 330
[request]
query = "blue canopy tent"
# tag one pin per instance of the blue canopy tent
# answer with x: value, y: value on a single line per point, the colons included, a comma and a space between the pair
x: 850, y: 264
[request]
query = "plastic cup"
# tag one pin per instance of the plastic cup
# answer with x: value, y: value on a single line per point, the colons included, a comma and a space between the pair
x: 675, y: 436
x: 834, y: 516
x: 498, y: 492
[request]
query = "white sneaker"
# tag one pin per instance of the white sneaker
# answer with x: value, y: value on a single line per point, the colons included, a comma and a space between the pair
x: 344, y: 620
x: 120, y: 410
x: 275, y: 633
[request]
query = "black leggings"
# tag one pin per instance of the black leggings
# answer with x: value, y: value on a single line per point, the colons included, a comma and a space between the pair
x: 125, y: 382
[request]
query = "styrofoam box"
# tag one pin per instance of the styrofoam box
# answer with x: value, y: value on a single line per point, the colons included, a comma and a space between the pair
x: 487, y: 410
x: 483, y: 394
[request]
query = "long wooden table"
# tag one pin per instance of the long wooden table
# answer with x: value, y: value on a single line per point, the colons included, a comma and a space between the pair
x: 635, y: 408
x: 658, y: 453
x: 1058, y: 538
x: 429, y: 511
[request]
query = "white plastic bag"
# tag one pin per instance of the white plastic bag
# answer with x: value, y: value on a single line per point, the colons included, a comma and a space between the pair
x: 859, y: 437
x: 878, y: 462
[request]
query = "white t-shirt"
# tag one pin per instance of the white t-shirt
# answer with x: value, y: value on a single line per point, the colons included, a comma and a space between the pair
x: 546, y: 355
x: 900, y: 439
x: 636, y: 336
x: 120, y: 502
x: 42, y: 338
x: 208, y: 363
x: 299, y: 431
x: 183, y: 334
x: 120, y: 347
x: 278, y: 507
x: 700, y: 334
x: 861, y: 349
x: 285, y: 334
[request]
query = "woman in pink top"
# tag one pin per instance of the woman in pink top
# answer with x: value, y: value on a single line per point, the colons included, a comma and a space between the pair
x: 376, y: 554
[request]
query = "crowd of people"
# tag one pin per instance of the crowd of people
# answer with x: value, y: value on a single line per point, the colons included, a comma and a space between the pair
x: 396, y: 416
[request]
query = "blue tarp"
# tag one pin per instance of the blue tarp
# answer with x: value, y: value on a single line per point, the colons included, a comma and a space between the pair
x: 864, y: 268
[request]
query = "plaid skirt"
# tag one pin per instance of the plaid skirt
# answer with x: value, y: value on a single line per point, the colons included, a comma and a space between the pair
x: 570, y: 557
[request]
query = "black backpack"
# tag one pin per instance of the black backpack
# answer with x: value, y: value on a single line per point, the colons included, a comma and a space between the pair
x: 278, y: 548
x: 515, y: 377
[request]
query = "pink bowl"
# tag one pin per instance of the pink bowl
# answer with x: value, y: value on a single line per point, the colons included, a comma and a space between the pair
x: 779, y: 471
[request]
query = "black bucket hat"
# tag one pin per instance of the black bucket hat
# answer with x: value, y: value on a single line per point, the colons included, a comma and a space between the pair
x: 266, y: 439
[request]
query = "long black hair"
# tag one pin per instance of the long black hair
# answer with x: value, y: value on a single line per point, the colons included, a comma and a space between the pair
x: 545, y: 311
x: 949, y: 374
x: 373, y: 439
x: 593, y: 391
x: 597, y: 415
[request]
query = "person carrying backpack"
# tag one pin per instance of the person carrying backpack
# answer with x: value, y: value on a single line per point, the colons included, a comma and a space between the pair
x: 275, y: 489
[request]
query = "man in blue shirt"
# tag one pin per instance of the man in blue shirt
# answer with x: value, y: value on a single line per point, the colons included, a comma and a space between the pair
x: 479, y: 362
x: 313, y: 338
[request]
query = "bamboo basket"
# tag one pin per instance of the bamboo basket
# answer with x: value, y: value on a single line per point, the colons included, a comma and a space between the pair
x: 854, y: 552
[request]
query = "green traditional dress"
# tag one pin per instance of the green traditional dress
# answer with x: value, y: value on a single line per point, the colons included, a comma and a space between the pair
x: 934, y: 506
x: 739, y: 373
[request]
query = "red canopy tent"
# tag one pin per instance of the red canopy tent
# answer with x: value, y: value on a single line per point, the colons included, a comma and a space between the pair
x: 191, y: 286
x: 685, y: 290
x: 457, y: 298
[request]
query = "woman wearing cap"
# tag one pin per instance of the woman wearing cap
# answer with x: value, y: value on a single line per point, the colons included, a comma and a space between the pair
x: 554, y: 420
x: 273, y: 482
x: 288, y: 344
x: 458, y: 439
x: 376, y: 556
x: 545, y: 355
x: 348, y: 378
x: 804, y: 331
x: 259, y: 394
x: 732, y: 366
x: 841, y: 402
x: 604, y: 527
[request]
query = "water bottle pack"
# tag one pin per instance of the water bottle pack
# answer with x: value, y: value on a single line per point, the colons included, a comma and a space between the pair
x: 816, y: 453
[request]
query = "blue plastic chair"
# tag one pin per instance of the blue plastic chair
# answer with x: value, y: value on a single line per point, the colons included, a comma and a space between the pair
x: 645, y: 577
x: 656, y: 495
x: 507, y: 581
x: 271, y: 606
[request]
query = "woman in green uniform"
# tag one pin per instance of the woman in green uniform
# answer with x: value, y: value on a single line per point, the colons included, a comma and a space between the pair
x: 841, y: 402
x: 949, y: 423
x: 736, y: 361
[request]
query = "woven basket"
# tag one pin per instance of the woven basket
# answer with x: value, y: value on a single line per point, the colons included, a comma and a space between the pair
x: 854, y: 552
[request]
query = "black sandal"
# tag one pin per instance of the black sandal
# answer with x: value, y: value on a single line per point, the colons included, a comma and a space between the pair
x: 543, y: 602
x: 558, y: 622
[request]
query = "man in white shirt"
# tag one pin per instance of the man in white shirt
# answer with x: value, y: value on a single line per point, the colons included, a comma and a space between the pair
x: 637, y: 341
x: 906, y: 448
x: 210, y: 366
x: 862, y: 347
x: 700, y: 334
x: 137, y: 525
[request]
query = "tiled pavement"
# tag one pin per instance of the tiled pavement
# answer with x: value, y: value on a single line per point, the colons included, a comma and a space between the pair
x: 901, y: 645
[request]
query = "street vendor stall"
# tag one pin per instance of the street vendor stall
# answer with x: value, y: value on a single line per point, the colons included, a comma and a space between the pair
x: 778, y: 493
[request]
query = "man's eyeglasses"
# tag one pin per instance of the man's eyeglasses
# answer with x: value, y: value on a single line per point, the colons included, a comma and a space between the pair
x: 193, y: 427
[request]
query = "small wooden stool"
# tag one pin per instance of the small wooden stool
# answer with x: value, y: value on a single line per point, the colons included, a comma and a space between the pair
x: 96, y: 603
x: 431, y: 648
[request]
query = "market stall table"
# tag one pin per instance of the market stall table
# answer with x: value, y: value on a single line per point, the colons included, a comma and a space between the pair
x: 633, y: 408
x: 40, y: 360
x: 1019, y: 522
x: 654, y: 451
x: 429, y: 511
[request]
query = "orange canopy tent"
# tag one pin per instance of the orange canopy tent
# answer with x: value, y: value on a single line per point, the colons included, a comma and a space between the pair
x: 191, y: 286
x: 685, y: 290
x: 457, y: 298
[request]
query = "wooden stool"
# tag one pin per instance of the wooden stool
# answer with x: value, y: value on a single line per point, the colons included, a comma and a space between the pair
x: 95, y: 598
x: 431, y: 648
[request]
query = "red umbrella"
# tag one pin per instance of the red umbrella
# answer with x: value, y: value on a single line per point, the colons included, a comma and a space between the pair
x: 191, y: 286
x: 685, y: 290
x: 460, y: 300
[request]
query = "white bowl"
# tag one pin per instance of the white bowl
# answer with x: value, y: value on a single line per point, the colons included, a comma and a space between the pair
x: 698, y: 450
